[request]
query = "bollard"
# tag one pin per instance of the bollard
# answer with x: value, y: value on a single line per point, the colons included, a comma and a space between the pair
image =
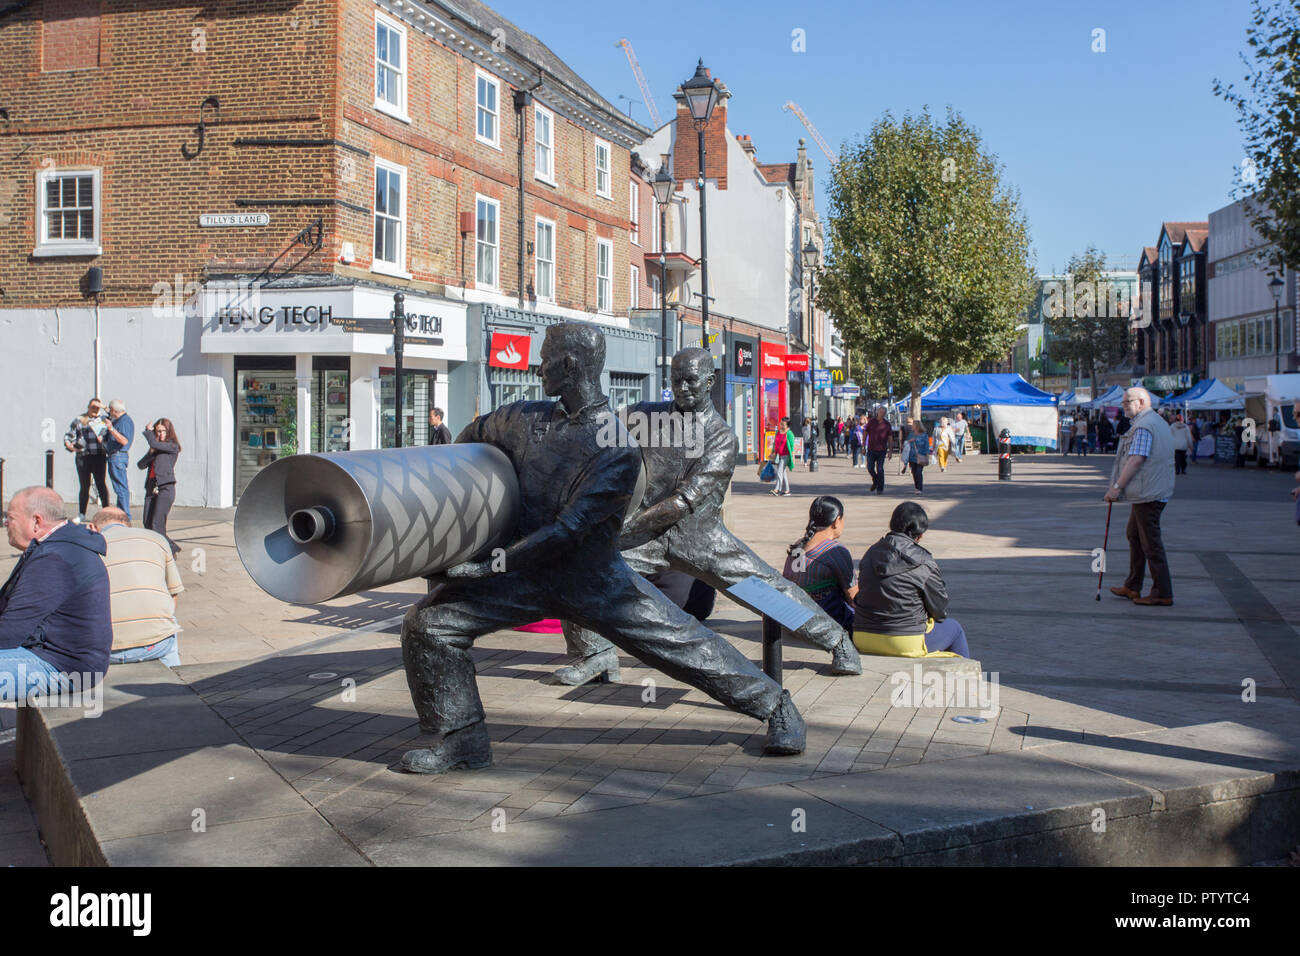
x: 49, y: 468
x: 772, y: 649
x: 1004, y: 459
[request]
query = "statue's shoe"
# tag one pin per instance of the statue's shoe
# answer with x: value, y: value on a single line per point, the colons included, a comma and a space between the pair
x: 786, y: 733
x: 601, y: 666
x: 845, y: 661
x: 466, y: 749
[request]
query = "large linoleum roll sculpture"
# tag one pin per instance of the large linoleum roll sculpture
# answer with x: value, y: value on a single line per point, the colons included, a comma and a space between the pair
x: 310, y: 528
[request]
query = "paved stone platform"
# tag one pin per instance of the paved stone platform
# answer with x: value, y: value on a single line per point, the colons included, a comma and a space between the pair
x: 1179, y: 725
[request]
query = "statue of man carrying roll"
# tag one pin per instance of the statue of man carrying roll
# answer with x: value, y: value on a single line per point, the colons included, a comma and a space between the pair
x: 565, y: 563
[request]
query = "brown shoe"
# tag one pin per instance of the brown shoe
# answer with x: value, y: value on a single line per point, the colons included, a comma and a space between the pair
x: 1151, y: 599
x: 1125, y: 593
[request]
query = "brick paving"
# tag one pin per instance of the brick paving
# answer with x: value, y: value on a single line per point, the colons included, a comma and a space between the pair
x: 321, y: 694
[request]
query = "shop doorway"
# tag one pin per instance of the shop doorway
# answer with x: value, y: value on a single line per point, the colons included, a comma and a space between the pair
x: 417, y: 399
x: 331, y: 423
x: 266, y: 414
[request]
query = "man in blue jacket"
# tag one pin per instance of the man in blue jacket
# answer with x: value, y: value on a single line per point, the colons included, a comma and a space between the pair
x: 56, y: 623
x: 117, y: 443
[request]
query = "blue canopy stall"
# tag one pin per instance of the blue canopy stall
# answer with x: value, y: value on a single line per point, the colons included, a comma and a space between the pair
x: 1028, y: 413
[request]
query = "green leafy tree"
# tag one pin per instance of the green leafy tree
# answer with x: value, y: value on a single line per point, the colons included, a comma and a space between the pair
x: 1268, y: 112
x: 1089, y: 327
x: 928, y: 264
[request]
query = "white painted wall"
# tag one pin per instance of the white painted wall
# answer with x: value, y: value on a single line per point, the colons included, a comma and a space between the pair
x: 751, y: 232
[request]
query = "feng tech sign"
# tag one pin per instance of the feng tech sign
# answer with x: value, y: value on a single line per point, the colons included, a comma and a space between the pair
x: 300, y: 316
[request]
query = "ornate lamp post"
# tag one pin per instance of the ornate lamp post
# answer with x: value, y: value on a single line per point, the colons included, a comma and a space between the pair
x: 663, y: 186
x: 811, y: 259
x: 1276, y: 287
x: 702, y: 94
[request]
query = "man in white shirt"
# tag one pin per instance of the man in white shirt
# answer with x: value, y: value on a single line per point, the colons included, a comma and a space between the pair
x: 959, y: 436
x: 143, y: 583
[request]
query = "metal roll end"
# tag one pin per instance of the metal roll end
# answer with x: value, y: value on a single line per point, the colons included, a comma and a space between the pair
x: 311, y: 524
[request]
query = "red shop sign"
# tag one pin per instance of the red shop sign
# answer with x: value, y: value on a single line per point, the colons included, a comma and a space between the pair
x: 796, y: 363
x: 509, y: 351
x: 771, y: 360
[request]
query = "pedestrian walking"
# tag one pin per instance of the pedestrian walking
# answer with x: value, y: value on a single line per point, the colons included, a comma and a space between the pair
x: 1105, y: 433
x: 117, y: 443
x: 878, y: 435
x: 959, y: 429
x: 918, y: 456
x: 439, y: 433
x: 943, y: 442
x: 1143, y: 473
x: 1194, y: 426
x: 1182, y: 438
x: 807, y: 431
x: 85, y: 439
x: 1081, y: 436
x: 159, y: 465
x: 783, y: 456
x: 857, y: 440
x: 828, y: 432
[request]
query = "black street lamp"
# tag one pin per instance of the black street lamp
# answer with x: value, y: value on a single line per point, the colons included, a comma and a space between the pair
x: 663, y: 186
x: 811, y: 259
x: 1276, y: 287
x: 702, y: 94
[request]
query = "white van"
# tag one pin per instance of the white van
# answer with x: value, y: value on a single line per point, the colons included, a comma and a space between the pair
x: 1269, y: 401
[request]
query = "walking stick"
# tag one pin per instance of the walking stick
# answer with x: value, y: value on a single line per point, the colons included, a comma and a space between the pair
x: 1104, y: 541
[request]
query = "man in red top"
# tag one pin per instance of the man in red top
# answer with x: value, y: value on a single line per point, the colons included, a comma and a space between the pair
x: 878, y: 432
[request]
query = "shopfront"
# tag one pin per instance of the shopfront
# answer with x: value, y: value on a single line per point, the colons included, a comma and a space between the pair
x: 741, y: 368
x: 506, y: 346
x: 772, y: 376
x: 311, y: 370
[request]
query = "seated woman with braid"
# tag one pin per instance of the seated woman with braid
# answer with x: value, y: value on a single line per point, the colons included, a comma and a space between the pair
x: 902, y: 604
x: 822, y: 566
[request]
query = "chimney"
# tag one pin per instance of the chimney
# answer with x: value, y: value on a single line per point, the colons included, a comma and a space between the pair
x: 747, y: 145
x: 686, y: 156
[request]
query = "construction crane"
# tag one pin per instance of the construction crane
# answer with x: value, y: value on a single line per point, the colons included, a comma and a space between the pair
x: 626, y: 44
x: 793, y: 107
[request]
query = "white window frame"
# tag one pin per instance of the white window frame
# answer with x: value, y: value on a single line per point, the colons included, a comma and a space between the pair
x: 45, y: 246
x: 538, y: 261
x: 384, y: 266
x: 608, y: 169
x: 634, y: 297
x: 398, y: 110
x: 494, y: 286
x: 634, y: 214
x: 654, y: 228
x: 495, y: 141
x: 604, y: 283
x: 654, y: 289
x: 538, y: 144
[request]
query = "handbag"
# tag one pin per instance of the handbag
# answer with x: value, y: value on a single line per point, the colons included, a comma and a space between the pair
x: 768, y: 471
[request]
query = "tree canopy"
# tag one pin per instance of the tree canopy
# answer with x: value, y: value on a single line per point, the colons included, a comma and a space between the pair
x: 928, y: 263
x: 1268, y: 112
x: 1087, y: 323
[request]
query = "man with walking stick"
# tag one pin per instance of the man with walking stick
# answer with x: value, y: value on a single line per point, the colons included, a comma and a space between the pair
x: 1143, y: 474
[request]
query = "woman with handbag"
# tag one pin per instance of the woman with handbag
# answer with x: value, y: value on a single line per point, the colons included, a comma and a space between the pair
x: 160, y: 482
x: 783, y: 456
x: 919, y: 445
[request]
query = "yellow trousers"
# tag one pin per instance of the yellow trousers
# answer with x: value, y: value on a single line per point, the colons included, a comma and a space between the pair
x: 943, y: 457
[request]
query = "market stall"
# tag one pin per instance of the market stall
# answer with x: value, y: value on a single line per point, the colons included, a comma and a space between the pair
x: 1028, y: 413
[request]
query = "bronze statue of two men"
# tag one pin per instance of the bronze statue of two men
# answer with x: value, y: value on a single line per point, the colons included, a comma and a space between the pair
x: 578, y: 469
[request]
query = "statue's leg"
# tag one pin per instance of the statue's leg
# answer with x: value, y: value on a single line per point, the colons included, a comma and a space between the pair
x: 635, y: 615
x: 436, y: 638
x: 721, y: 559
x: 592, y: 657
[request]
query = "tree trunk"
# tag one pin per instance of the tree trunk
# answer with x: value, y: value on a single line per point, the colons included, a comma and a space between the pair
x: 915, y: 408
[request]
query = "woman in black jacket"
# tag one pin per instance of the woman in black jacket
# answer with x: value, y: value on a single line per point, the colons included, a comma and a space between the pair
x: 160, y: 483
x: 900, y: 591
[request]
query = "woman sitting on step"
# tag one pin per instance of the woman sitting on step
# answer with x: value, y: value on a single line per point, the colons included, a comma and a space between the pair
x: 901, y: 603
x: 822, y: 566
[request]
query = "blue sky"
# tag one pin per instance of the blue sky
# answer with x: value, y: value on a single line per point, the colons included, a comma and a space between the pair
x: 1102, y: 146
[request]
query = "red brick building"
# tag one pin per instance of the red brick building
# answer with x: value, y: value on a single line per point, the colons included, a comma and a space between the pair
x: 255, y: 180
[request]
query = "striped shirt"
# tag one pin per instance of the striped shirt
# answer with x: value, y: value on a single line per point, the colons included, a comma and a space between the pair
x: 143, y: 581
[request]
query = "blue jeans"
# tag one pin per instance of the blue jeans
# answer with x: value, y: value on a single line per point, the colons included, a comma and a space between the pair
x: 959, y: 446
x: 24, y: 674
x: 947, y: 635
x: 165, y: 651
x: 117, y: 475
